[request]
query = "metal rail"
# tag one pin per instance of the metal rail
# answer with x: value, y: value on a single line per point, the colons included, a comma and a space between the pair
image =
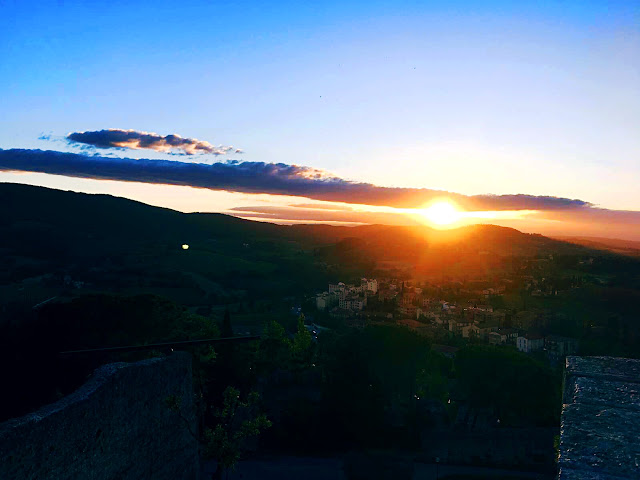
x: 156, y: 346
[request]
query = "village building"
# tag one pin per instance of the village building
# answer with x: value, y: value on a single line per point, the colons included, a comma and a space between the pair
x: 326, y: 300
x: 558, y: 347
x: 370, y: 285
x: 530, y: 342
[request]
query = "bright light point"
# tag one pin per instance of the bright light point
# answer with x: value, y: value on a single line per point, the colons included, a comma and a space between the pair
x: 185, y: 246
x: 442, y: 213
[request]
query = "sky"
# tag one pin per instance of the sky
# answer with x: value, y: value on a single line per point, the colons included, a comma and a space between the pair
x: 341, y: 112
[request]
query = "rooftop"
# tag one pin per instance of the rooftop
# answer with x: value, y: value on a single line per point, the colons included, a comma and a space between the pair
x: 533, y: 336
x: 444, y: 349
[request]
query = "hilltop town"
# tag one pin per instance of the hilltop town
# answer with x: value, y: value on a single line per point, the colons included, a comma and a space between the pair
x: 457, y: 313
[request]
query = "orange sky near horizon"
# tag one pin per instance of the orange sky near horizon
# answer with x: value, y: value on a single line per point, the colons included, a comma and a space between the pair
x: 283, y: 209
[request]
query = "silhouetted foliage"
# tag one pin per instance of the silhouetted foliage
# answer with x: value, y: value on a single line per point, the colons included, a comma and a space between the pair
x: 227, y: 331
x: 520, y: 389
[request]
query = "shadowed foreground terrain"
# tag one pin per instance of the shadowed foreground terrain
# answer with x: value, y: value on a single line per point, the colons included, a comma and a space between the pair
x: 84, y: 271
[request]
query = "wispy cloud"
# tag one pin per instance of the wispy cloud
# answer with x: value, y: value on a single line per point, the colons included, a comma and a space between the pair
x: 322, y: 206
x: 118, y: 138
x: 296, y: 214
x: 260, y: 177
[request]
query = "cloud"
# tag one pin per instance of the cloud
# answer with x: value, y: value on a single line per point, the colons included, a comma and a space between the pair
x: 297, y: 214
x: 322, y: 206
x: 117, y: 138
x: 260, y: 177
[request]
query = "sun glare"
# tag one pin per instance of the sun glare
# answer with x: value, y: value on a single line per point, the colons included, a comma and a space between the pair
x: 442, y: 213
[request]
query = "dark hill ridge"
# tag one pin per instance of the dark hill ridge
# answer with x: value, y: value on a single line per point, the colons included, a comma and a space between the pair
x: 98, y: 215
x: 118, y: 243
x: 486, y: 238
x: 107, y: 214
x: 43, y: 230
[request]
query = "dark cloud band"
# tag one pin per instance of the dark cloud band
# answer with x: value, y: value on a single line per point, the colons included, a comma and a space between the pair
x: 117, y: 138
x: 260, y: 177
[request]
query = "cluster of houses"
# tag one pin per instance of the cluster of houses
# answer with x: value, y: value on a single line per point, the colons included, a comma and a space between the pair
x: 351, y: 298
x: 477, y: 320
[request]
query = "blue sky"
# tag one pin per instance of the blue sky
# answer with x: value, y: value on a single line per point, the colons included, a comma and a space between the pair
x: 468, y: 97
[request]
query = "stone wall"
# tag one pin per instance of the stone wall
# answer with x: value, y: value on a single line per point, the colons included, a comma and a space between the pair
x: 600, y: 419
x: 116, y: 426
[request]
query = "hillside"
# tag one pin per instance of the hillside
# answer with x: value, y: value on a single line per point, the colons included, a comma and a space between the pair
x: 616, y: 245
x: 119, y: 244
x: 115, y: 244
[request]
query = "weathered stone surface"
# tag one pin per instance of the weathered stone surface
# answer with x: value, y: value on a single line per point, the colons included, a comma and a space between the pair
x: 600, y: 419
x: 612, y: 367
x: 597, y: 391
x: 116, y: 426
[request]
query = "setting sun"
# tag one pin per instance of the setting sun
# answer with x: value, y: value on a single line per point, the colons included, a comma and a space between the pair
x: 442, y: 213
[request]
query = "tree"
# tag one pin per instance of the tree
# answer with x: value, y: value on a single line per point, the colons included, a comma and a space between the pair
x: 302, y: 345
x: 274, y: 350
x: 237, y: 421
x: 227, y: 330
x: 520, y: 389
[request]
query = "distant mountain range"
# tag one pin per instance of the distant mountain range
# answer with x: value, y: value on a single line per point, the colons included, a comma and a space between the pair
x: 624, y: 247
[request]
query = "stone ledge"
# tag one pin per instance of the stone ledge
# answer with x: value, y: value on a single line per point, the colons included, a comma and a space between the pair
x: 117, y: 425
x: 600, y: 419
